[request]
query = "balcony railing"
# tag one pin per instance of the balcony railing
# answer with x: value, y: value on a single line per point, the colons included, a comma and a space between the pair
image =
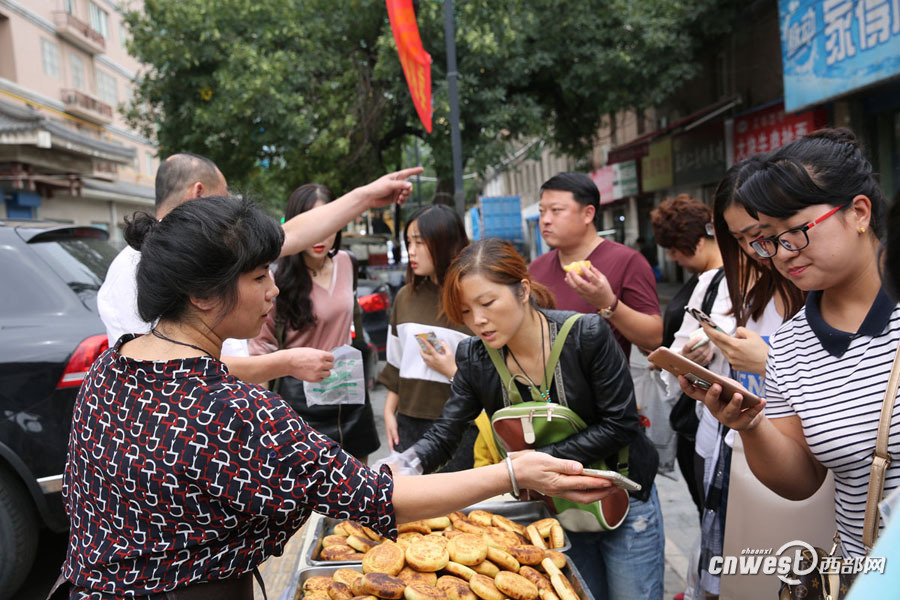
x: 78, y: 32
x: 87, y: 107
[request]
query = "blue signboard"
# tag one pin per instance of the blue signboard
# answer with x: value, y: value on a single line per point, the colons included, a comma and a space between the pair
x: 830, y: 47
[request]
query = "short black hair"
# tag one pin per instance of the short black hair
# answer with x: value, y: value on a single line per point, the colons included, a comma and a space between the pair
x: 583, y: 188
x: 199, y: 250
x: 180, y: 170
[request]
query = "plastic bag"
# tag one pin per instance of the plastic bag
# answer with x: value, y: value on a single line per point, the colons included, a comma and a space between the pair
x: 654, y: 407
x: 345, y: 385
x: 401, y: 463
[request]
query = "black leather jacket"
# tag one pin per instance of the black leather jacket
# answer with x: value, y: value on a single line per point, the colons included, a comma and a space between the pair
x: 597, y: 385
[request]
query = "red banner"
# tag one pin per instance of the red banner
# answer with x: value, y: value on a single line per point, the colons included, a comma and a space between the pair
x: 769, y: 129
x: 415, y: 61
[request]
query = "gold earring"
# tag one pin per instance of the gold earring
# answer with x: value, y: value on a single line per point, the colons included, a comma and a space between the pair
x: 862, y: 229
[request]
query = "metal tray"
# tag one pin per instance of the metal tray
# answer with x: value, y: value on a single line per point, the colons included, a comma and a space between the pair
x: 302, y: 575
x: 526, y: 511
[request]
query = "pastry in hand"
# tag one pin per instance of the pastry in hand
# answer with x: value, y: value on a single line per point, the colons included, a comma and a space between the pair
x: 579, y: 267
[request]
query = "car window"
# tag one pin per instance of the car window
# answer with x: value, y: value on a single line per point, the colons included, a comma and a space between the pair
x: 81, y: 263
x: 25, y: 290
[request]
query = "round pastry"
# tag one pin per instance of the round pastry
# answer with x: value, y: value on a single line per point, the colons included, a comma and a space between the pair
x: 354, y: 528
x: 467, y: 549
x: 383, y: 558
x: 341, y: 529
x: 341, y: 553
x: 317, y: 583
x: 410, y: 575
x: 364, y: 598
x: 372, y: 535
x: 436, y: 538
x: 502, y: 559
x: 454, y: 568
x: 467, y: 526
x: 334, y: 540
x: 383, y: 585
x: 451, y: 532
x: 356, y: 586
x: 361, y: 542
x: 346, y: 576
x: 515, y: 586
x: 557, y: 558
x: 527, y: 554
x: 455, y: 588
x: 410, y: 536
x: 456, y: 515
x: 500, y: 538
x: 316, y: 596
x: 505, y: 524
x: 484, y: 587
x: 536, y: 577
x: 480, y: 517
x: 543, y: 525
x: 417, y: 526
x: 421, y: 591
x: 557, y: 536
x: 427, y: 556
x: 532, y: 533
x: 438, y: 523
x: 339, y: 591
x: 486, y: 567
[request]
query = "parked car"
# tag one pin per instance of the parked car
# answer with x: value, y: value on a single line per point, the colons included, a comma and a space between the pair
x: 375, y: 302
x: 50, y: 334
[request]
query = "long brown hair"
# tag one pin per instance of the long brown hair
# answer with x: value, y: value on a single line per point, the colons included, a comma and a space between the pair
x: 496, y: 260
x: 444, y: 235
x: 751, y: 285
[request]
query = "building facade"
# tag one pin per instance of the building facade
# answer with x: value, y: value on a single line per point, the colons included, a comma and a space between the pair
x: 66, y: 152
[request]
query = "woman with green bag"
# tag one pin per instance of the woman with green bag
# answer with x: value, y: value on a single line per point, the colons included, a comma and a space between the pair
x: 567, y: 363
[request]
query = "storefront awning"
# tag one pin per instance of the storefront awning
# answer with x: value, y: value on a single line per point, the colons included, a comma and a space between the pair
x: 640, y: 146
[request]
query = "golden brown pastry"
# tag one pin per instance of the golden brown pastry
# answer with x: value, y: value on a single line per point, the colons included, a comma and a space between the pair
x: 502, y: 559
x: 346, y: 576
x: 532, y: 534
x: 507, y: 525
x: 385, y: 558
x: 420, y: 591
x: 417, y: 526
x: 557, y: 536
x: 436, y: 538
x: 410, y: 575
x: 527, y: 554
x: 354, y: 528
x: 427, y: 556
x: 339, y: 591
x: 562, y: 587
x: 462, y: 571
x: 372, y: 535
x: 383, y: 585
x: 480, y: 517
x: 317, y: 583
x: 543, y: 525
x: 316, y: 596
x: 341, y: 529
x: 467, y: 526
x: 500, y: 538
x: 438, y: 523
x: 515, y: 586
x: 536, y: 577
x: 339, y: 553
x: 455, y: 588
x: 362, y: 543
x: 467, y: 549
x: 334, y: 540
x: 557, y: 558
x: 484, y: 587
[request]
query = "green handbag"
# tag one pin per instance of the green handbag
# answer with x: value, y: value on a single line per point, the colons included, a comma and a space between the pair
x: 523, y: 425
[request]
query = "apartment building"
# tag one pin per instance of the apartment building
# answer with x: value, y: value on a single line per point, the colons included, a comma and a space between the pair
x: 66, y: 153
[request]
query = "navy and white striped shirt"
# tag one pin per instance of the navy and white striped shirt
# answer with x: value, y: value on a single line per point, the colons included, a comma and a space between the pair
x: 835, y: 382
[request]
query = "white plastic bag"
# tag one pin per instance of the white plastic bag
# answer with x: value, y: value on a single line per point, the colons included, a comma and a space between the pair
x: 345, y: 385
x: 401, y: 463
x: 654, y: 406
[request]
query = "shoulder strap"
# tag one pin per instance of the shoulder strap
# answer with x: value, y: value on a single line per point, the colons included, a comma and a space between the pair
x: 556, y: 350
x: 505, y: 376
x: 882, y: 459
x: 709, y: 298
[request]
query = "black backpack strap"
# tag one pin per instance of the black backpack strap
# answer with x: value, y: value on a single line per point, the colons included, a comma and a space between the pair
x: 709, y: 298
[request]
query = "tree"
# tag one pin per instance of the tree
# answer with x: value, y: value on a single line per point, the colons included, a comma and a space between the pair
x: 282, y: 92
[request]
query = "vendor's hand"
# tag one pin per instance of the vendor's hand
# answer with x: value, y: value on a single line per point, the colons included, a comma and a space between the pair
x: 592, y: 286
x: 391, y: 429
x: 727, y: 412
x: 745, y: 350
x: 558, y: 477
x: 445, y: 363
x: 389, y: 189
x: 702, y: 355
x: 307, y: 364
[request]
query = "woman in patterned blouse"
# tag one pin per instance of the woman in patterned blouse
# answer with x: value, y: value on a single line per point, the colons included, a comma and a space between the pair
x: 180, y: 474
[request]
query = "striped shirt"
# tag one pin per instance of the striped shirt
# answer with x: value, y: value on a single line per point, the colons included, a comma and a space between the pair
x: 835, y: 382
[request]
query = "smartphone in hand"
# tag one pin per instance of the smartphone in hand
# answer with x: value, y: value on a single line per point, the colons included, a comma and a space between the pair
x: 431, y: 338
x: 701, y: 377
x: 702, y: 317
x: 616, y: 478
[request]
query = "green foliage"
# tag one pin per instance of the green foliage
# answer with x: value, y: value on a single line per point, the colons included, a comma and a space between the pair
x: 283, y: 92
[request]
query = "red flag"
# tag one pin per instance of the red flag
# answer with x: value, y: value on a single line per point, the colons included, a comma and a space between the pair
x: 415, y: 61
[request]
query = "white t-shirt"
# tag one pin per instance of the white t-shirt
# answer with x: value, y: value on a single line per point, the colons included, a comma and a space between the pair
x: 835, y: 382
x: 117, y: 303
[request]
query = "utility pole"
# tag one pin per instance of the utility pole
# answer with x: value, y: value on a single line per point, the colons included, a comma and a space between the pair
x: 455, y: 138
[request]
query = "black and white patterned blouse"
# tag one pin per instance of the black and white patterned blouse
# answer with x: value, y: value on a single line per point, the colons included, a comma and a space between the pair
x: 178, y: 472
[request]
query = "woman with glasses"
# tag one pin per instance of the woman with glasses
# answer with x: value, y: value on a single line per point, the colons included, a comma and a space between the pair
x: 821, y: 214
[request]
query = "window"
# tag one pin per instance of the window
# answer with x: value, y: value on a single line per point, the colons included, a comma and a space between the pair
x: 149, y: 157
x: 123, y: 35
x: 76, y: 65
x: 69, y: 5
x: 99, y: 20
x: 50, y: 58
x: 106, y: 88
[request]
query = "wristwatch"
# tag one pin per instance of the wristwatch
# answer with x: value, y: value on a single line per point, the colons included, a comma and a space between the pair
x: 609, y: 310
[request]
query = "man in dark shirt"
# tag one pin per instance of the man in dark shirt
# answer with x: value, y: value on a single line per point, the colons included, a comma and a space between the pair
x: 619, y: 285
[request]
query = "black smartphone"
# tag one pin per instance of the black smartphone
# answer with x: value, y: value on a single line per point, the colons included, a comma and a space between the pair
x: 702, y: 317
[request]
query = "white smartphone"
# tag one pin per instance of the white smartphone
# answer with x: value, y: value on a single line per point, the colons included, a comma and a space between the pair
x: 617, y: 479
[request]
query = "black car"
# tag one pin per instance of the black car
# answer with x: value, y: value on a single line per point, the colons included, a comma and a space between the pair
x: 50, y: 334
x: 375, y: 302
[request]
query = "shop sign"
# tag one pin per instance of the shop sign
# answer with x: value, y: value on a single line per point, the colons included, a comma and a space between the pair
x: 656, y: 167
x: 830, y: 47
x: 604, y: 180
x: 699, y: 155
x: 616, y: 181
x: 768, y: 129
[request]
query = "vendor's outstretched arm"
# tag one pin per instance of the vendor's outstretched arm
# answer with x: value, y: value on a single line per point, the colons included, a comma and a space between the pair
x: 425, y: 496
x: 312, y: 226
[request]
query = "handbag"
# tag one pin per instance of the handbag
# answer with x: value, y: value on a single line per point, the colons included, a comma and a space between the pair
x: 525, y: 425
x: 826, y: 580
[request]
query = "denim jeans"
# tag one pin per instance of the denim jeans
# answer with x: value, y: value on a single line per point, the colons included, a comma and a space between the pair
x: 627, y: 563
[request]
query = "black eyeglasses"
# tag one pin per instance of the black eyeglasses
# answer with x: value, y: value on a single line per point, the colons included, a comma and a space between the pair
x: 795, y: 239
